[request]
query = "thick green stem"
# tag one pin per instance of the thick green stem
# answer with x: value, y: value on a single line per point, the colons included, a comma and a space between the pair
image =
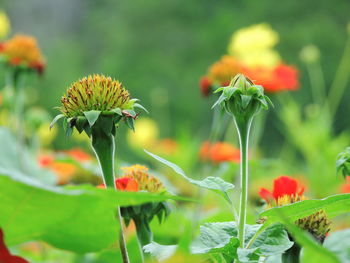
x: 143, y: 230
x: 292, y: 255
x: 243, y: 127
x: 104, y: 148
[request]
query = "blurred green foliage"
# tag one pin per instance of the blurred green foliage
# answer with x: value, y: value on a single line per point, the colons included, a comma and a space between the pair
x: 159, y: 49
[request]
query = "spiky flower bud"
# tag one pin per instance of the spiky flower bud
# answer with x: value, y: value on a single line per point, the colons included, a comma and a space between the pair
x: 96, y: 92
x: 343, y: 163
x: 94, y: 98
x: 242, y: 98
x: 317, y: 224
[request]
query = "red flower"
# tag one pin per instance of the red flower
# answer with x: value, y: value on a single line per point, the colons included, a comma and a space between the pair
x: 205, y: 86
x: 283, y: 186
x: 124, y: 184
x: 280, y: 78
x: 345, y: 188
x: 79, y: 155
x: 5, y: 256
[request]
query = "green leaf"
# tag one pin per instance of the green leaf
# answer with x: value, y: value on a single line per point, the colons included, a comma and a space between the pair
x: 58, y: 117
x: 272, y: 241
x: 221, y: 238
x: 340, y: 249
x: 215, y: 184
x: 332, y: 205
x: 161, y: 252
x: 92, y: 116
x: 245, y: 100
x: 81, y: 219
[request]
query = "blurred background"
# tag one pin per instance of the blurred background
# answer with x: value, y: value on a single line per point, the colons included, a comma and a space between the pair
x: 160, y: 49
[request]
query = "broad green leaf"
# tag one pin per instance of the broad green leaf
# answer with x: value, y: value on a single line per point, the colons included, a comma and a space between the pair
x: 92, y: 116
x: 272, y: 241
x: 80, y: 219
x: 339, y: 243
x: 161, y: 252
x: 221, y: 238
x: 332, y: 205
x: 215, y: 184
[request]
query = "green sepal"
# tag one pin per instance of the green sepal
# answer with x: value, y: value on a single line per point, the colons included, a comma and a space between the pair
x: 92, y: 116
x: 80, y: 124
x: 58, y: 117
x: 130, y: 123
x: 137, y: 105
x: 117, y: 111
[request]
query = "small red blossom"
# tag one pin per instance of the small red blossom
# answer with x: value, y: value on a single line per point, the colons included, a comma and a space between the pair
x: 345, y: 188
x: 282, y: 186
x: 205, y: 85
x: 280, y: 78
x: 5, y: 256
x: 124, y: 184
x: 45, y: 160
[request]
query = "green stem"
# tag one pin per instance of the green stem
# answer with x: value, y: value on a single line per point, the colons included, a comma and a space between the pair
x: 292, y: 255
x: 243, y: 127
x: 341, y: 78
x: 143, y: 230
x: 104, y: 148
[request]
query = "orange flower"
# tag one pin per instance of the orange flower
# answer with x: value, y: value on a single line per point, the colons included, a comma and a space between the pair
x: 79, y: 155
x: 127, y: 184
x: 64, y: 171
x: 345, y: 188
x: 222, y: 71
x: 219, y: 152
x: 280, y: 78
x: 285, y: 190
x: 24, y: 50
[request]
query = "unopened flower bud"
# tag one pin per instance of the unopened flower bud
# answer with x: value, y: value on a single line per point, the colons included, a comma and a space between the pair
x: 310, y: 54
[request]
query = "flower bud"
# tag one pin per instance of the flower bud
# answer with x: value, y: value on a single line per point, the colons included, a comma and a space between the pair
x: 343, y: 163
x: 310, y: 54
x: 242, y: 98
x: 97, y: 101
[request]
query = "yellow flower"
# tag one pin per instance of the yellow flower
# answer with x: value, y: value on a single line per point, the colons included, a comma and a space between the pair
x: 262, y: 58
x: 145, y: 135
x: 255, y: 37
x: 46, y: 136
x: 254, y: 45
x: 4, y: 25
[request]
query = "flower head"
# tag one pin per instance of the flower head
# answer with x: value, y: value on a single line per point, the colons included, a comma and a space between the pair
x: 222, y: 71
x: 127, y: 184
x: 95, y: 104
x: 286, y: 190
x: 255, y: 37
x: 145, y: 181
x: 345, y: 188
x: 95, y: 92
x: 219, y: 152
x: 205, y: 85
x: 79, y: 155
x: 23, y: 50
x: 276, y: 79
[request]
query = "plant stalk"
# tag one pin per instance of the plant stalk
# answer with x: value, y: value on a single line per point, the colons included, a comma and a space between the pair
x: 243, y: 127
x: 104, y: 147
